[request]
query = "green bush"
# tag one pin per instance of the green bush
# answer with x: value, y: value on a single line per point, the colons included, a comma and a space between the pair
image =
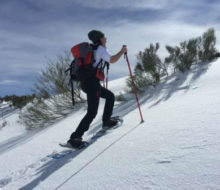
x: 54, y: 99
x: 208, y: 50
x: 21, y: 101
x: 193, y: 51
x: 182, y: 57
x: 120, y: 98
x: 148, y: 69
x: 18, y: 101
x: 150, y: 62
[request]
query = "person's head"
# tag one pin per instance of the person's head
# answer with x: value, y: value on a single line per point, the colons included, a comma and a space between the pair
x: 97, y: 37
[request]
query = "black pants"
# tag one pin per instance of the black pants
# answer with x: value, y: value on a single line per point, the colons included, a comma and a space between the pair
x: 94, y: 91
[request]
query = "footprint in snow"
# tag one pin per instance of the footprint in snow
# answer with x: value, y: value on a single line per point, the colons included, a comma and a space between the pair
x: 164, y: 162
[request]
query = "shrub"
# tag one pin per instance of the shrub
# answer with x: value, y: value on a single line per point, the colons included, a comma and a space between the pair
x: 54, y: 99
x: 147, y: 70
x: 208, y: 49
x: 193, y: 51
x: 120, y: 98
x: 184, y: 56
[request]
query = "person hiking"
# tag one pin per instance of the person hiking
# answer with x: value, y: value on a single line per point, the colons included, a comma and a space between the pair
x: 94, y: 90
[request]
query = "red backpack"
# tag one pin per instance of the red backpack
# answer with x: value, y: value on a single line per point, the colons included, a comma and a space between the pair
x: 81, y: 68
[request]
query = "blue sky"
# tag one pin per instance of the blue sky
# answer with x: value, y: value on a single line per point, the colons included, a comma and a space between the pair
x: 32, y: 32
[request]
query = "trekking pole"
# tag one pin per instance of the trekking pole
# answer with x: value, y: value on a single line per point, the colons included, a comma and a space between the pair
x: 107, y: 76
x: 134, y: 87
x: 106, y: 81
x: 72, y: 91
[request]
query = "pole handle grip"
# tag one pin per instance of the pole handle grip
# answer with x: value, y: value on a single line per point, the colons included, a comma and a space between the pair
x: 125, y: 52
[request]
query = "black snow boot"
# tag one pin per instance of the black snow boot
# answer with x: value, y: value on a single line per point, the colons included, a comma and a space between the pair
x: 76, y: 142
x: 110, y: 123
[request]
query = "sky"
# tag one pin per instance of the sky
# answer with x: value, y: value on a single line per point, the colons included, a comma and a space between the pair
x: 34, y: 32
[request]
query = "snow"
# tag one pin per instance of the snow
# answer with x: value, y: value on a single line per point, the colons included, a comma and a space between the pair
x: 177, y: 147
x: 10, y: 128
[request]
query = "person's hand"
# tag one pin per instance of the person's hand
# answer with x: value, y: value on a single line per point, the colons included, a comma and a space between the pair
x: 124, y: 49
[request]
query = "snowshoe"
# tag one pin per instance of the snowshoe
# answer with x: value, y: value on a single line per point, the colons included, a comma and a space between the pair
x: 112, y: 123
x: 104, y: 129
x: 75, y: 144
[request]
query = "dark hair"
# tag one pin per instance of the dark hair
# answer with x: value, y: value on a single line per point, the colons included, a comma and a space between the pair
x: 95, y: 35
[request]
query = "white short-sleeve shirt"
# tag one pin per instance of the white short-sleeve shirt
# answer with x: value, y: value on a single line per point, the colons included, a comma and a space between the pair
x: 101, y: 53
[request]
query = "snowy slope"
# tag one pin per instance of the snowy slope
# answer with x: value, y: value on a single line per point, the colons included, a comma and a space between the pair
x: 12, y: 128
x: 13, y: 132
x: 9, y: 126
x: 177, y: 147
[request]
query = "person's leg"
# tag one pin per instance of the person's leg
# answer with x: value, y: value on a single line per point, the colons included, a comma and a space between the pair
x: 92, y: 90
x: 109, y: 104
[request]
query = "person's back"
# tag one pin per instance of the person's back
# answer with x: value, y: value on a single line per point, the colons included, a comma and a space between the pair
x: 101, y: 53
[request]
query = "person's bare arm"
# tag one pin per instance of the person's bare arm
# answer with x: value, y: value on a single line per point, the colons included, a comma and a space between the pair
x: 116, y: 57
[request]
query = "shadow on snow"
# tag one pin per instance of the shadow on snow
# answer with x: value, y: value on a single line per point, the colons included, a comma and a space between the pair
x: 169, y: 86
